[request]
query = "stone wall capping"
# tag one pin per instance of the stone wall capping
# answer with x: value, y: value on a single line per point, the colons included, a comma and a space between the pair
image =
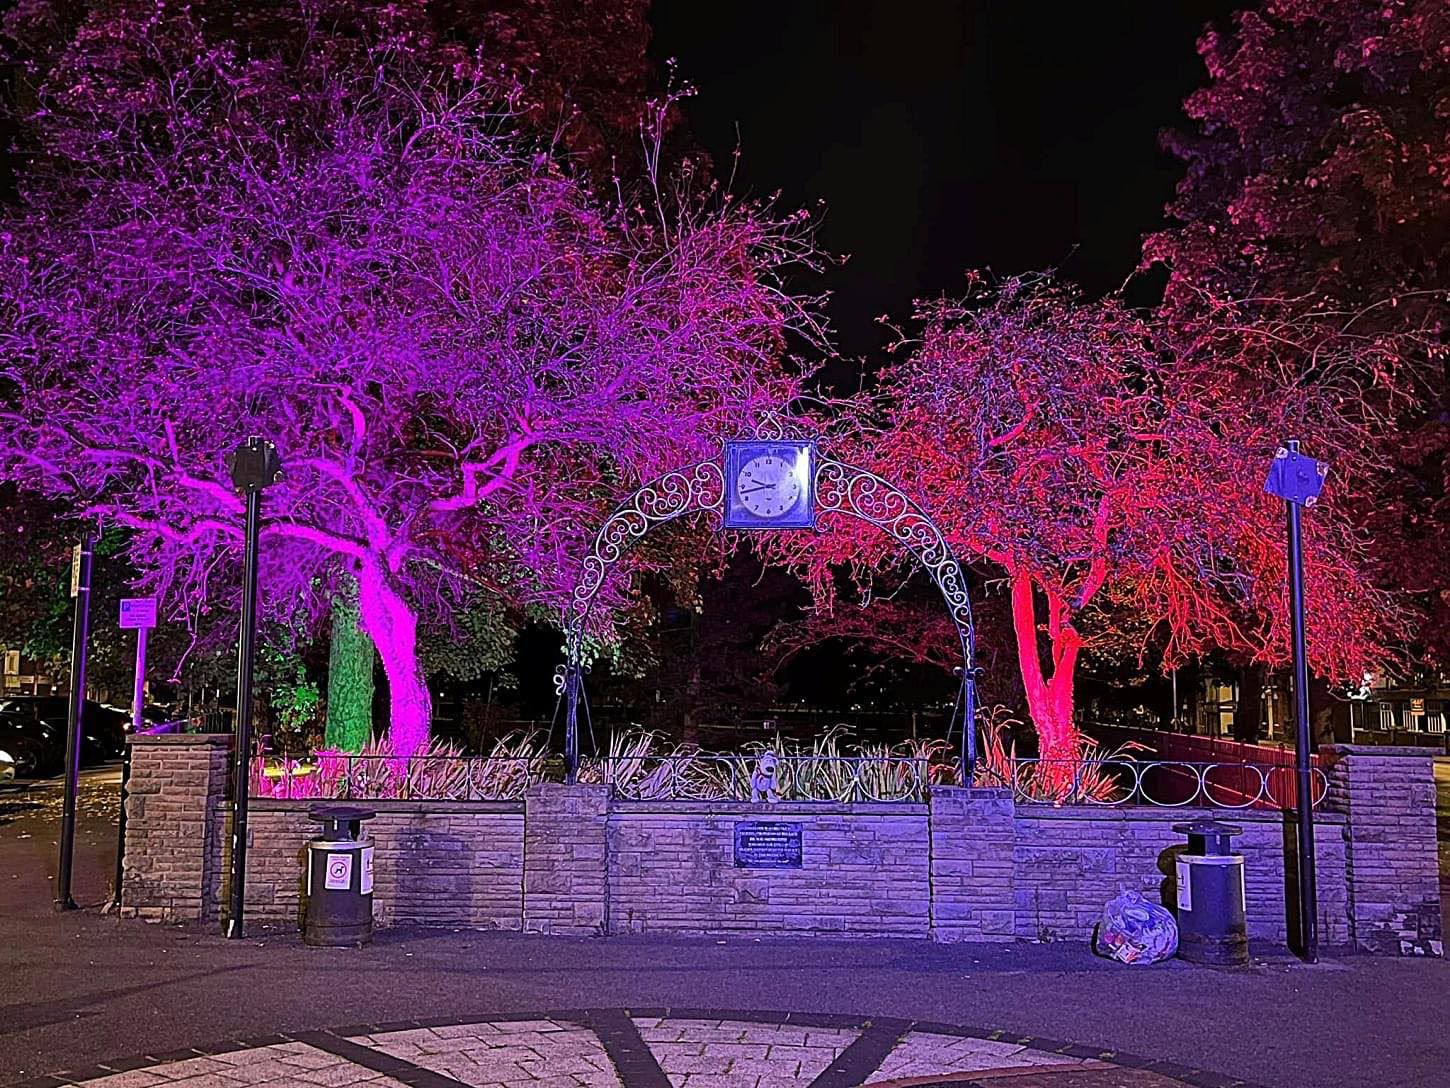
x: 382, y: 805
x: 1386, y: 751
x: 1150, y: 813
x: 761, y: 810
x: 181, y: 740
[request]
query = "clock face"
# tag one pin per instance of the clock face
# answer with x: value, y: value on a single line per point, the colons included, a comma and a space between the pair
x: 768, y: 485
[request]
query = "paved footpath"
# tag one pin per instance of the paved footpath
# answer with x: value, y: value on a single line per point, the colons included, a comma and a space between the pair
x: 129, y: 1005
x: 645, y: 1048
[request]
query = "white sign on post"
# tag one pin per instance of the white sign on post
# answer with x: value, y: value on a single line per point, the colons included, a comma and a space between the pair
x: 75, y: 571
x: 138, y: 612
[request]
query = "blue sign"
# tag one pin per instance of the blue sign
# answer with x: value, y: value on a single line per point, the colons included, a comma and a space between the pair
x: 768, y: 846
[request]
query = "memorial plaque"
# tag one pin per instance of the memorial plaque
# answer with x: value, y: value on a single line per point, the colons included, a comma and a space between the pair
x: 767, y: 846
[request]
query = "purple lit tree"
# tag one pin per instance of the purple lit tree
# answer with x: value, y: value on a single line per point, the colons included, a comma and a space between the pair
x: 462, y: 353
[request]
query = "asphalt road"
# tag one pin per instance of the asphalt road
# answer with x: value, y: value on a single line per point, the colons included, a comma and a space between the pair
x: 81, y: 987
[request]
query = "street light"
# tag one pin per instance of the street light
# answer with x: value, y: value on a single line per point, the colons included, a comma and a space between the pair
x: 1298, y: 479
x: 254, y: 465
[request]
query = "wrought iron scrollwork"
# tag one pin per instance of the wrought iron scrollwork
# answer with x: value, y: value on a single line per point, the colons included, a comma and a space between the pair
x: 839, y: 488
x: 848, y: 490
x: 699, y: 488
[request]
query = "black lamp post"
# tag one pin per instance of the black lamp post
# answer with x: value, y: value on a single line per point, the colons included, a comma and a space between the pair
x: 1298, y: 479
x: 254, y: 465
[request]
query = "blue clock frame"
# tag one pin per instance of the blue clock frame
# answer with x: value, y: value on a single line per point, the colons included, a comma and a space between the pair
x: 800, y: 453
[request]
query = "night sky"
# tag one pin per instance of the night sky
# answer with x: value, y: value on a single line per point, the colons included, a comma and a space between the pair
x: 947, y: 136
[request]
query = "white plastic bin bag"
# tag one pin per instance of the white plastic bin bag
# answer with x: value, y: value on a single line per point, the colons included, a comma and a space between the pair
x: 1134, y: 930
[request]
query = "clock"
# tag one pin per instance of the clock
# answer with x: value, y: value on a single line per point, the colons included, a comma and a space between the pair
x: 770, y: 484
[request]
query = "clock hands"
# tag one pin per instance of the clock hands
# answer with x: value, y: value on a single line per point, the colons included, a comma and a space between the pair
x: 757, y: 487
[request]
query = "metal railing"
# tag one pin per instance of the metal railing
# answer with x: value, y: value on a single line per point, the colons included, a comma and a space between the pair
x: 375, y: 778
x: 725, y: 777
x: 1159, y: 783
x: 1109, y: 782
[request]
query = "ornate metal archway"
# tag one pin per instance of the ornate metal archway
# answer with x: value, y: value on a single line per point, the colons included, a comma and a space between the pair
x: 838, y: 488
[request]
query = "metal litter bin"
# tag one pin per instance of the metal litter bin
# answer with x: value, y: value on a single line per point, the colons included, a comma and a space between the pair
x: 339, y: 879
x: 1210, y: 896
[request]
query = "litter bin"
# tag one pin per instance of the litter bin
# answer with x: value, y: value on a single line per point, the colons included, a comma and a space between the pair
x: 339, y: 879
x: 1210, y: 896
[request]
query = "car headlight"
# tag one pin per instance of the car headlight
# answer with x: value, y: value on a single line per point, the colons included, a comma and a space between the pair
x: 6, y: 757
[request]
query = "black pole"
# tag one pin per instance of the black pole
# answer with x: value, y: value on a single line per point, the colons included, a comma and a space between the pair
x: 79, y: 639
x: 1308, y: 905
x: 968, y: 752
x: 572, y: 679
x: 121, y: 829
x: 241, y: 764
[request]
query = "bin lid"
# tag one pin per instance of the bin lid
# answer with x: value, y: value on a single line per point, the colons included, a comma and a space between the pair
x: 341, y: 814
x: 1208, y: 827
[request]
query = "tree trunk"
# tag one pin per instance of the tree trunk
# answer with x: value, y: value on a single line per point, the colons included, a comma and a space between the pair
x: 388, y: 620
x: 349, y: 678
x: 1049, y: 696
x: 1249, y: 711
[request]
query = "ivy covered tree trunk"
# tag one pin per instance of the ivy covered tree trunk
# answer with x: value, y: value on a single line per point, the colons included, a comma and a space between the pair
x: 349, y: 677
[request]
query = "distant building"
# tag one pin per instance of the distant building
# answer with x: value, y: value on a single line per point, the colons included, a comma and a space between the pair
x: 1386, y: 710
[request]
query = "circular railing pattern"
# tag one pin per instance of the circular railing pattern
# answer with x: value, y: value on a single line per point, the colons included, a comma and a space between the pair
x: 709, y: 776
x: 1159, y: 783
x: 712, y: 777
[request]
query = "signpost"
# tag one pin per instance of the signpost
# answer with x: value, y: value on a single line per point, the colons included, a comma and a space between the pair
x: 80, y: 637
x: 1297, y: 480
x: 138, y: 614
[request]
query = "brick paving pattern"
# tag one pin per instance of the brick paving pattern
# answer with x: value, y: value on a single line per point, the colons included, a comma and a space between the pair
x: 924, y: 1054
x: 739, y: 1054
x: 648, y: 1049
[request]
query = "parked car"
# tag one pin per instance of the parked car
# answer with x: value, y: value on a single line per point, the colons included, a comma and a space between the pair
x: 103, y: 730
x: 35, y: 749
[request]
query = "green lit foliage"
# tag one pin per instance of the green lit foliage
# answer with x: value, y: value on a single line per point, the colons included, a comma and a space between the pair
x: 478, y: 640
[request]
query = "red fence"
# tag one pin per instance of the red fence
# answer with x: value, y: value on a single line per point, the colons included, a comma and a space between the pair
x: 1239, y: 771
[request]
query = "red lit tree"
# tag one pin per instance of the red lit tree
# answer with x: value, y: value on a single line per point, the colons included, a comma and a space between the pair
x: 1092, y: 460
x: 1315, y: 184
x: 460, y: 351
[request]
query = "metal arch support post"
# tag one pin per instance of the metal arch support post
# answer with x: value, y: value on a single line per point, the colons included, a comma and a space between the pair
x: 572, y: 679
x: 839, y: 488
x: 969, y: 726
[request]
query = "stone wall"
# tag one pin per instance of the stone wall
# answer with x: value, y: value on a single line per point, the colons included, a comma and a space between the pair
x: 1392, y: 862
x: 566, y: 883
x: 972, y: 865
x: 442, y: 864
x: 1072, y: 859
x: 865, y: 870
x: 173, y: 826
x: 973, y: 873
